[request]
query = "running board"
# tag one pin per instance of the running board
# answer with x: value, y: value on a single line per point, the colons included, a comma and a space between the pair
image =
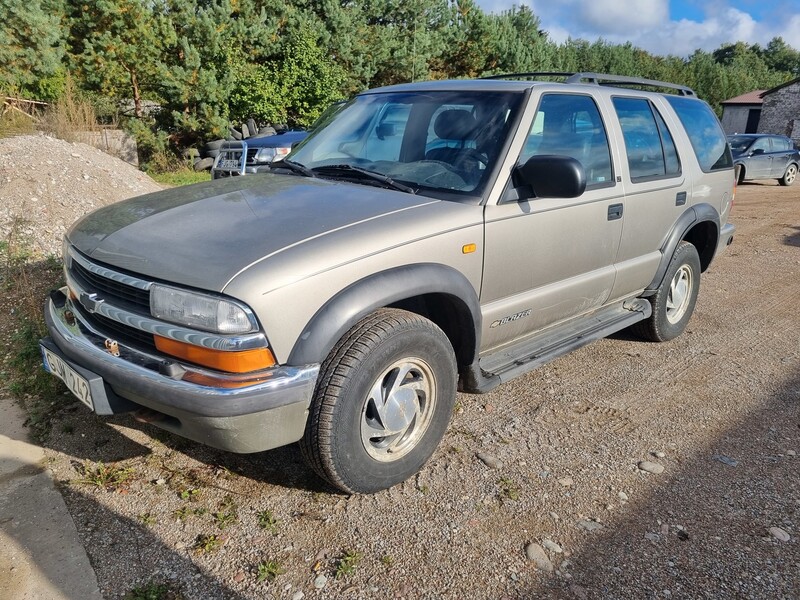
x: 557, y: 341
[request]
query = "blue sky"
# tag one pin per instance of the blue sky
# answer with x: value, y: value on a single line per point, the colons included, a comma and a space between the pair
x: 665, y: 26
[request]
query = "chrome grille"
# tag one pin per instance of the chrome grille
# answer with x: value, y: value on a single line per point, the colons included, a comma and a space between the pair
x: 110, y: 290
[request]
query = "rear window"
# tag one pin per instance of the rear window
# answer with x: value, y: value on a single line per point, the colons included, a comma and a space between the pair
x: 705, y: 133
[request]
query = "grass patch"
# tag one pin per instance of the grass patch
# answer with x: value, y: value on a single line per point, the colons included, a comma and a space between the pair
x: 180, y: 177
x: 153, y: 590
x: 108, y: 477
x: 184, y: 512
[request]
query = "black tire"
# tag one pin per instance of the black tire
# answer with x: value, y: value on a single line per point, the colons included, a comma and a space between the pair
x: 789, y: 176
x: 396, y: 357
x: 204, y: 164
x: 252, y: 127
x: 673, y: 303
x: 235, y: 133
x: 210, y: 147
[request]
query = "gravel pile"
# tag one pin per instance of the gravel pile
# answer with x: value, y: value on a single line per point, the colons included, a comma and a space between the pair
x: 46, y: 184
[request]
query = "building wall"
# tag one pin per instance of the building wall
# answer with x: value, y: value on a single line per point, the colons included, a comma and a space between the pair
x: 780, y: 112
x: 734, y: 117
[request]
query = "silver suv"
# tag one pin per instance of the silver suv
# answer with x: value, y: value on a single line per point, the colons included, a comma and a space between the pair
x: 432, y: 237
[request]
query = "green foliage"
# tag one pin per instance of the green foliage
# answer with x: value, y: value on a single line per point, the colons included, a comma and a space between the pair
x: 347, y: 563
x: 267, y: 521
x: 31, y: 47
x: 207, y: 543
x: 268, y: 571
x: 180, y: 177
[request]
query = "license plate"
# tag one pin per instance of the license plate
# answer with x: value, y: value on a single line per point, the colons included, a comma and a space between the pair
x: 76, y: 383
x: 229, y: 164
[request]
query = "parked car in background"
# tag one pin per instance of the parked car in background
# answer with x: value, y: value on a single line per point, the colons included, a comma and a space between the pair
x: 762, y: 156
x: 255, y: 154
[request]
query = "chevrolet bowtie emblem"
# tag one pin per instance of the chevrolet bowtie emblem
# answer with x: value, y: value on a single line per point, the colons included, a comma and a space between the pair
x: 90, y: 301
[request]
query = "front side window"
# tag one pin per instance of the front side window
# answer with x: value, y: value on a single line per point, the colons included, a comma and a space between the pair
x: 438, y: 143
x: 648, y: 143
x: 704, y: 131
x: 570, y: 125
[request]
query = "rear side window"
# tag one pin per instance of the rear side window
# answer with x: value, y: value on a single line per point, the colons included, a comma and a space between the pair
x: 570, y: 125
x: 704, y: 131
x: 648, y: 143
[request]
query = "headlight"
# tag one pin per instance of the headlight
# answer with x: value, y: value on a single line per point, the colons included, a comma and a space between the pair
x: 268, y: 155
x: 199, y: 311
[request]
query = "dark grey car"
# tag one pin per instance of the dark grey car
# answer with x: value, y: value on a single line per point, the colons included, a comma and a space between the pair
x: 761, y: 156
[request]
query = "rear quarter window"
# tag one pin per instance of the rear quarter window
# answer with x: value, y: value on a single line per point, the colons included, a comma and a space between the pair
x: 704, y: 131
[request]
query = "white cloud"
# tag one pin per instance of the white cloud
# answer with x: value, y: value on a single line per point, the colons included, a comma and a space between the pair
x: 646, y: 23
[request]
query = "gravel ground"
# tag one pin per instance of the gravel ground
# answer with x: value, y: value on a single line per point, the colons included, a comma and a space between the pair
x: 47, y: 183
x: 624, y: 470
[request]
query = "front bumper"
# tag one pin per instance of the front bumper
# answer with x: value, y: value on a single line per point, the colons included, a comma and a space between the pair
x: 224, y: 414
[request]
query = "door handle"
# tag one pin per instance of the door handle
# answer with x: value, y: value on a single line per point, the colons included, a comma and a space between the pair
x: 614, y: 212
x: 680, y: 199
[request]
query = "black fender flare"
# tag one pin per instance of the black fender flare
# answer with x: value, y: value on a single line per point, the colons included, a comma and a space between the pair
x: 690, y: 217
x: 361, y: 298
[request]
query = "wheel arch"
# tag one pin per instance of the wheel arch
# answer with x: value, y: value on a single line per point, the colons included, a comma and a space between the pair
x: 699, y: 225
x: 436, y: 292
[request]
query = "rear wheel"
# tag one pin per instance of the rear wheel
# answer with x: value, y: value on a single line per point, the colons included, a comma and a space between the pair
x: 673, y: 303
x: 383, y: 401
x: 789, y: 176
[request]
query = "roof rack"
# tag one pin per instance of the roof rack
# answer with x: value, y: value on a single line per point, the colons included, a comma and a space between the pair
x: 599, y: 79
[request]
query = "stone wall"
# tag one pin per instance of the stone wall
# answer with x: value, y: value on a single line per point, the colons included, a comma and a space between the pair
x: 781, y: 112
x: 114, y: 142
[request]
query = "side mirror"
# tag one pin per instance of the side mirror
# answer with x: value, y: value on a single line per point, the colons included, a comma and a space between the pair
x: 385, y: 130
x: 551, y: 176
x: 757, y: 151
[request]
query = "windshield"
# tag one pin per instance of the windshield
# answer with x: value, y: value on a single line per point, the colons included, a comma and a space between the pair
x: 739, y: 143
x: 429, y: 141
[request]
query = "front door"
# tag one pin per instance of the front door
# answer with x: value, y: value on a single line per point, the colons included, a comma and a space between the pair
x: 548, y: 259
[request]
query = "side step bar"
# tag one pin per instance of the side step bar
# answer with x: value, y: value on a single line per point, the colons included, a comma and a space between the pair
x: 557, y: 341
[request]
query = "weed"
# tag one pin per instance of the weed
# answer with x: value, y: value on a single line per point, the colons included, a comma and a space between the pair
x: 268, y: 571
x: 184, y: 512
x: 71, y: 118
x: 387, y: 560
x: 267, y: 521
x: 225, y: 519
x: 153, y: 591
x: 108, y: 477
x: 208, y: 543
x: 190, y: 494
x: 347, y: 564
x: 508, y: 489
x: 147, y: 519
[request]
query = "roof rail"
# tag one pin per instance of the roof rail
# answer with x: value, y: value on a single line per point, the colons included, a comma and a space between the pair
x: 600, y: 79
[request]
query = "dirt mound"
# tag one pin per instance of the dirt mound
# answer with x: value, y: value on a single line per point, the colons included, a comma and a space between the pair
x: 46, y: 184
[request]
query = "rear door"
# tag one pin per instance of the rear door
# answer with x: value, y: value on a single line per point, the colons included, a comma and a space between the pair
x: 656, y: 189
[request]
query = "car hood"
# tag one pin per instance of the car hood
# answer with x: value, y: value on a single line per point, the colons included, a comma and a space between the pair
x: 281, y: 140
x: 204, y: 235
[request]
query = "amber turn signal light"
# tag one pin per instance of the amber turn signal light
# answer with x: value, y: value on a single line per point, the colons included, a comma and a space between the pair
x: 242, y: 361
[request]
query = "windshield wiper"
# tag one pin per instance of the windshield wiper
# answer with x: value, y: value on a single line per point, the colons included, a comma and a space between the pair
x: 346, y: 169
x: 293, y: 166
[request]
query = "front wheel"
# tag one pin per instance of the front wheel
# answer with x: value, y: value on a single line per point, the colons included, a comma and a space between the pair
x: 789, y: 176
x: 673, y: 303
x: 383, y: 401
